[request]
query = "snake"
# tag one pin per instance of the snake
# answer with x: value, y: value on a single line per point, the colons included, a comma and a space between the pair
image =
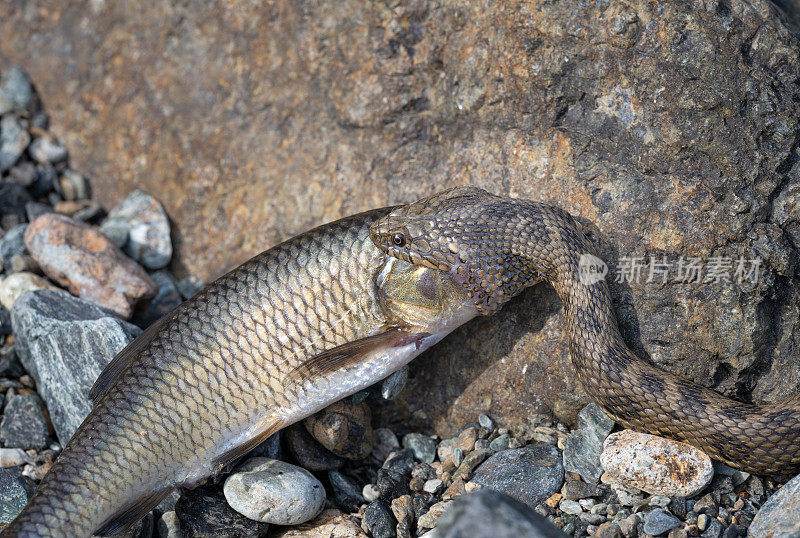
x: 496, y: 246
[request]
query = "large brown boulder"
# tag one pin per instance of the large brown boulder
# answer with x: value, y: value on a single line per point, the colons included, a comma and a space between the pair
x: 670, y: 128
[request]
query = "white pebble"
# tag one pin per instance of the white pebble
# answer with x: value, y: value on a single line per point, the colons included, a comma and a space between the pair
x: 12, y: 457
x: 432, y: 486
x: 370, y: 492
x: 571, y: 507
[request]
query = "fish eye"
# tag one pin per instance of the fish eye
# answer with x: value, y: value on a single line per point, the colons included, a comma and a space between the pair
x: 399, y: 239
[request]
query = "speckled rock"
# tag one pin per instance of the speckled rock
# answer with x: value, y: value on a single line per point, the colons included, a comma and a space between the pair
x: 15, y: 286
x: 23, y: 424
x: 423, y: 446
x: 64, y: 343
x: 15, y: 90
x: 204, y: 513
x: 583, y: 446
x: 670, y: 127
x: 329, y: 524
x: 344, y: 428
x: 12, y: 243
x: 379, y: 521
x: 85, y: 262
x: 780, y: 514
x: 493, y: 514
x: 272, y: 491
x: 530, y: 474
x: 655, y: 464
x: 15, y: 490
x: 140, y: 227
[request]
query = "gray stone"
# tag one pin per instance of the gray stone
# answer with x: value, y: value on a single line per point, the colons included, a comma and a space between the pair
x: 169, y: 526
x: 203, y: 513
x: 583, y: 446
x: 12, y: 243
x: 14, y: 138
x: 659, y: 521
x: 15, y: 490
x: 488, y: 513
x: 780, y: 514
x: 379, y: 521
x: 423, y: 446
x: 308, y: 452
x: 346, y: 492
x: 270, y: 448
x: 13, y: 198
x: 189, y: 286
x: 272, y: 491
x: 46, y: 150
x: 394, y: 475
x: 23, y: 424
x: 530, y: 474
x: 15, y: 90
x: 394, y: 384
x: 165, y: 301
x: 64, y: 343
x: 141, y: 219
x: 16, y: 285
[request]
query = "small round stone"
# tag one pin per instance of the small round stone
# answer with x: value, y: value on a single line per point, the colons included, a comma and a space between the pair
x: 570, y: 507
x: 423, y: 446
x: 486, y: 422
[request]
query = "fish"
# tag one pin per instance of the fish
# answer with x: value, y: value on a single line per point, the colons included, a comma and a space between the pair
x: 294, y: 329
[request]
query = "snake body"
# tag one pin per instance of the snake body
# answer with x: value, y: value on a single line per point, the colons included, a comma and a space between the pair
x: 495, y: 247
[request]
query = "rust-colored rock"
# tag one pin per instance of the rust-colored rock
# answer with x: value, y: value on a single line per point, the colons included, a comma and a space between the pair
x: 84, y: 261
x: 343, y: 428
x: 670, y: 128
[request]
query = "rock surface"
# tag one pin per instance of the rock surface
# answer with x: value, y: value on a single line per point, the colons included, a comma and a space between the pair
x: 329, y: 524
x: 272, y: 491
x: 15, y: 490
x: 84, y: 261
x: 64, y: 343
x: 583, y: 447
x: 530, y: 474
x: 655, y: 464
x: 139, y: 226
x: 343, y: 428
x: 780, y: 515
x: 23, y: 424
x: 203, y: 513
x: 671, y: 128
x: 492, y: 514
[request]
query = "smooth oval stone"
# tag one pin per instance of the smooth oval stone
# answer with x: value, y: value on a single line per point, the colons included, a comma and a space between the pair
x: 654, y: 464
x: 272, y: 491
x: 780, y: 514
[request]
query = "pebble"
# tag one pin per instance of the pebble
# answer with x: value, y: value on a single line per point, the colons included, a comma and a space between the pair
x: 16, y: 285
x: 189, y: 286
x: 659, y: 521
x: 344, y: 428
x: 12, y: 244
x: 486, y: 422
x: 169, y: 526
x: 432, y: 486
x: 488, y: 513
x: 15, y: 490
x: 500, y: 443
x: 13, y: 198
x: 165, y: 301
x: 12, y: 457
x: 346, y: 493
x: 203, y: 512
x: 403, y: 511
x: 14, y: 138
x: 394, y: 475
x: 139, y: 225
x: 272, y: 491
x: 83, y: 260
x: 393, y: 385
x: 46, y: 149
x: 570, y: 507
x: 430, y: 518
x: 73, y: 186
x: 583, y: 446
x: 64, y: 343
x: 370, y: 492
x: 16, y: 91
x: 423, y: 447
x: 530, y: 474
x: 655, y: 464
x: 379, y: 521
x: 608, y: 530
x: 308, y: 452
x: 714, y: 529
x: 329, y: 524
x: 45, y: 181
x: 34, y: 210
x: 23, y: 424
x: 780, y: 514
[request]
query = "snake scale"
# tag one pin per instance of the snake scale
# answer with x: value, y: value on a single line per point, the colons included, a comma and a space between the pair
x: 495, y: 247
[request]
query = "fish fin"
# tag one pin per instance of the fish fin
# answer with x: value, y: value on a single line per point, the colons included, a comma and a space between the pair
x: 353, y: 352
x: 108, y: 377
x: 131, y: 513
x: 227, y: 458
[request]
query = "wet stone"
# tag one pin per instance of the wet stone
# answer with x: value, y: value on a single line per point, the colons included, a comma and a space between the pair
x: 23, y: 424
x: 379, y: 521
x: 655, y: 464
x: 16, y: 91
x: 423, y: 447
x: 583, y: 446
x: 492, y: 514
x: 204, y: 513
x: 272, y: 491
x: 530, y: 474
x: 139, y: 225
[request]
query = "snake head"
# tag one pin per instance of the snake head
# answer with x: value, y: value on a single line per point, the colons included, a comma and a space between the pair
x: 467, y: 232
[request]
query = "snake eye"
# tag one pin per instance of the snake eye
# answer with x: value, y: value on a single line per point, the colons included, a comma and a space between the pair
x: 399, y: 239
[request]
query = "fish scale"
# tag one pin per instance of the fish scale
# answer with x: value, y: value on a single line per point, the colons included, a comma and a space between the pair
x: 229, y: 367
